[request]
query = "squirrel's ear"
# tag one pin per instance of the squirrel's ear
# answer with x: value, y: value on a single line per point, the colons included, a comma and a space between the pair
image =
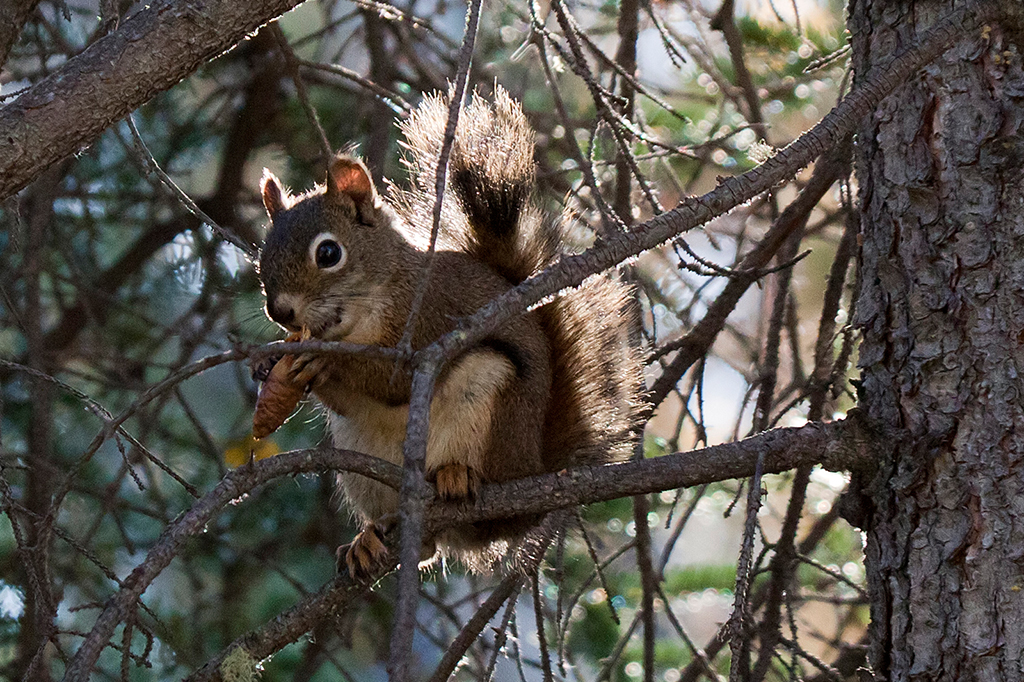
x: 349, y: 176
x: 275, y: 197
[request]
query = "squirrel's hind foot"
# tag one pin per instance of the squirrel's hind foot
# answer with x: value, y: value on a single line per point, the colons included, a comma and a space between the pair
x: 365, y: 552
x: 456, y: 482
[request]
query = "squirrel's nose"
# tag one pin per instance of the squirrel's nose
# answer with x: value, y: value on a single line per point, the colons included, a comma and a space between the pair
x: 281, y: 310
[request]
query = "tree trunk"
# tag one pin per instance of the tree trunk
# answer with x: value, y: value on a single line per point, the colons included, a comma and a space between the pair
x: 941, y: 307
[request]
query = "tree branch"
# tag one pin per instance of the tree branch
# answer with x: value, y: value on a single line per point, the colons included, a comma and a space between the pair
x: 571, y: 270
x: 696, y: 343
x: 234, y: 485
x: 414, y: 449
x: 13, y: 15
x: 150, y: 52
x: 725, y: 22
x: 840, y: 445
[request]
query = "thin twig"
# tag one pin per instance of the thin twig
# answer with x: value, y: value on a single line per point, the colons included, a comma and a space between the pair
x: 292, y: 66
x: 457, y: 95
x: 182, y: 197
x: 236, y: 484
x: 837, y: 124
x: 739, y: 620
x: 506, y: 591
x: 415, y: 446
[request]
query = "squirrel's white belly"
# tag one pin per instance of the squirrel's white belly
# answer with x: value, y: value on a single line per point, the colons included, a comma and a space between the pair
x: 375, y: 429
x: 460, y: 423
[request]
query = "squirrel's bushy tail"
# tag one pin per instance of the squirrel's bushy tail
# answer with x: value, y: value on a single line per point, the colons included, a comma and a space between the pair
x: 491, y: 178
x: 489, y: 213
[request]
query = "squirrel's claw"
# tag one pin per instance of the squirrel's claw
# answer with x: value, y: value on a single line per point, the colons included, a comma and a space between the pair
x: 259, y: 369
x: 365, y: 552
x: 309, y: 369
x: 456, y: 482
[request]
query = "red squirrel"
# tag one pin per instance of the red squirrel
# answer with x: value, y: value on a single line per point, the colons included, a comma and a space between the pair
x: 552, y: 388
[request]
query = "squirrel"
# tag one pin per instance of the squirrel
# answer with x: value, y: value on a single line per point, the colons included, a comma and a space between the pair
x: 555, y: 387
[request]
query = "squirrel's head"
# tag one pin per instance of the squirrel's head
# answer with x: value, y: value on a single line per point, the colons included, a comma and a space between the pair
x: 325, y: 259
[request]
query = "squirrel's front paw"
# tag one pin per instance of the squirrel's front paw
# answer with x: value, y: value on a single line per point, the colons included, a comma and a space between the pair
x: 365, y: 552
x: 456, y: 482
x: 308, y: 369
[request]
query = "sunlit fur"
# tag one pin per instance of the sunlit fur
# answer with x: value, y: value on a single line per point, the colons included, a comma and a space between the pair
x: 596, y: 370
x: 548, y: 389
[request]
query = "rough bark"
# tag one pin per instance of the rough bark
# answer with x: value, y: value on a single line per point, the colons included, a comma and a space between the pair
x: 13, y: 15
x: 150, y: 52
x: 941, y: 307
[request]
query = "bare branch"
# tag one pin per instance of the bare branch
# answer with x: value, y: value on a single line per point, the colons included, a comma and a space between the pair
x: 695, y: 344
x: 506, y: 590
x: 414, y: 449
x: 570, y: 271
x: 150, y: 52
x: 13, y: 15
x: 234, y: 485
x: 842, y: 445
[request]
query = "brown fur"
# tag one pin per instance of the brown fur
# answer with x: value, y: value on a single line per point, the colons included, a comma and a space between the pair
x: 596, y: 372
x: 549, y: 389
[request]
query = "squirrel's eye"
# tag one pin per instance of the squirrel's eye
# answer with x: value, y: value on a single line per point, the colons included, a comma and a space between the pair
x: 327, y: 253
